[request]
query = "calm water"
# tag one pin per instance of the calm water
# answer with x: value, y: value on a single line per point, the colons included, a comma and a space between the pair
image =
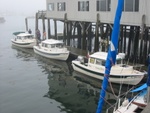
x: 33, y: 84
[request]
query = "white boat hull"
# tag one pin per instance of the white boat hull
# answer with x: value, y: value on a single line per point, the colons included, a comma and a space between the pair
x: 138, y: 102
x: 51, y: 54
x: 114, y: 78
x: 23, y: 44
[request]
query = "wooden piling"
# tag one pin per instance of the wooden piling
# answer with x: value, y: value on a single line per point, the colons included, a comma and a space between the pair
x: 49, y: 28
x: 79, y: 35
x: 26, y: 23
x: 43, y: 22
x: 96, y: 46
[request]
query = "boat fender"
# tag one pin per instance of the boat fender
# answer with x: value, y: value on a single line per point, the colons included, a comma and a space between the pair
x: 125, y: 102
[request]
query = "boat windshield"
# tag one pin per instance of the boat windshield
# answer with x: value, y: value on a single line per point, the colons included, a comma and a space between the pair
x: 59, y: 45
x: 100, y: 62
x: 92, y: 60
x: 25, y: 37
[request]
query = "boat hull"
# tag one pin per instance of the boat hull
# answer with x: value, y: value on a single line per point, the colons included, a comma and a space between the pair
x: 137, y: 102
x: 51, y: 54
x: 124, y: 79
x: 23, y: 44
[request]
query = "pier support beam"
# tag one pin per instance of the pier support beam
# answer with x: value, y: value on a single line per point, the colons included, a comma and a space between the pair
x: 96, y: 45
x: 49, y: 28
x: 26, y: 23
x: 79, y: 35
x: 55, y: 28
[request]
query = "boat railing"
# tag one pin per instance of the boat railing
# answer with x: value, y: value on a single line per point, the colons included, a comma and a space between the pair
x: 138, y: 66
x: 112, y: 106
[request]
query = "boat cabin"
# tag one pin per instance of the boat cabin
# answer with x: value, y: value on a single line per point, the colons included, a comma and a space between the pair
x: 50, y: 43
x: 99, y: 58
x: 24, y: 36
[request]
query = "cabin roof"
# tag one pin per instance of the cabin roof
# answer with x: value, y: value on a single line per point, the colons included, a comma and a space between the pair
x: 103, y: 55
x: 52, y: 41
x: 24, y: 34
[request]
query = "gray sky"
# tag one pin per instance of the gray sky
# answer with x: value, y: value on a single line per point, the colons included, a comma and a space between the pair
x: 27, y: 7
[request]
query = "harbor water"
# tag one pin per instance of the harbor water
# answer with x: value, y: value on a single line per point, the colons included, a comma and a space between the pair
x: 32, y: 84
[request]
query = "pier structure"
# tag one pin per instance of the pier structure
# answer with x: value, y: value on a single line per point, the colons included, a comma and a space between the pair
x: 90, y: 23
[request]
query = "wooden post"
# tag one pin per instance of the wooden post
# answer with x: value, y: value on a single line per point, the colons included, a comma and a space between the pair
x: 142, y: 33
x: 69, y: 32
x: 74, y: 31
x: 131, y: 34
x: 26, y: 22
x: 135, y: 44
x: 124, y: 32
x: 96, y: 45
x: 83, y: 46
x: 43, y: 22
x: 55, y: 27
x: 79, y: 35
x: 49, y: 28
x: 36, y: 24
x: 145, y: 46
x: 90, y: 36
x: 65, y: 28
x: 121, y: 39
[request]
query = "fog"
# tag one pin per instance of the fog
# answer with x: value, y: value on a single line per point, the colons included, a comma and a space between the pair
x: 21, y: 7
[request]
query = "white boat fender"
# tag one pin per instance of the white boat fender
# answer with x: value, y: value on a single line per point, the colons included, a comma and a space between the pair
x: 125, y: 102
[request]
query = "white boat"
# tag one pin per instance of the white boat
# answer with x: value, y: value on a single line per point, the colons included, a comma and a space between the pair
x: 120, y: 73
x: 24, y: 40
x: 138, y: 102
x: 53, y: 49
x: 135, y: 105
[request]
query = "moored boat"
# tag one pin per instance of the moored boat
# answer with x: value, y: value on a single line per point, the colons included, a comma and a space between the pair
x: 137, y: 103
x: 23, y: 40
x: 53, y: 49
x: 120, y: 73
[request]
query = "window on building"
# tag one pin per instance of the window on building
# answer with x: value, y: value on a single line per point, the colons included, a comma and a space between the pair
x: 61, y: 6
x: 83, y: 6
x: 103, y: 5
x: 131, y: 5
x: 51, y: 6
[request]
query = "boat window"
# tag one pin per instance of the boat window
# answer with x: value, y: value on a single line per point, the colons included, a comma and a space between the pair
x: 46, y: 45
x: 30, y: 37
x: 92, y: 60
x: 118, y: 61
x: 43, y: 45
x: 19, y: 37
x: 103, y: 63
x: 98, y: 62
x: 52, y: 46
x: 59, y: 45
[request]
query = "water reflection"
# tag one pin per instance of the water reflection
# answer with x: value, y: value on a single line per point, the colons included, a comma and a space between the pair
x: 25, y: 54
x: 77, y: 93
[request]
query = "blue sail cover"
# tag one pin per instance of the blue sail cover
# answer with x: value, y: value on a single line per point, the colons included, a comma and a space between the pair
x: 144, y: 86
x: 111, y: 57
x: 148, y: 80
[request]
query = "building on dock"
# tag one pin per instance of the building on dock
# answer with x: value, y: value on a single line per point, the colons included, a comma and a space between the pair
x: 88, y: 20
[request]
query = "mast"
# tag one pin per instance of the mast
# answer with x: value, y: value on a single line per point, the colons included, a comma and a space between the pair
x: 111, y: 57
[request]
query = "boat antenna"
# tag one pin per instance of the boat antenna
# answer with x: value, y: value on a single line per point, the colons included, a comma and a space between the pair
x: 111, y: 56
